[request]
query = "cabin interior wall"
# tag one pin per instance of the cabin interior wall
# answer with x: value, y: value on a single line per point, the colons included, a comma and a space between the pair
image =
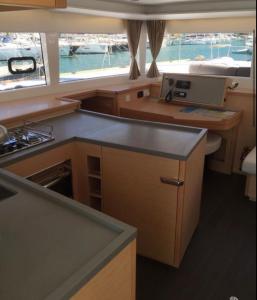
x: 50, y: 21
x: 240, y: 24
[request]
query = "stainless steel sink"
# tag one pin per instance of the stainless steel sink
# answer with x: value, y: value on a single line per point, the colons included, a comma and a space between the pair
x: 5, y: 193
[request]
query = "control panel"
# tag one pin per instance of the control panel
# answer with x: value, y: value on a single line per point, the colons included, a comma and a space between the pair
x: 206, y: 90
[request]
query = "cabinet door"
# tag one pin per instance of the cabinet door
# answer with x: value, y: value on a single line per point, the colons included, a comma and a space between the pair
x: 134, y: 193
x: 36, y: 3
x: 117, y: 281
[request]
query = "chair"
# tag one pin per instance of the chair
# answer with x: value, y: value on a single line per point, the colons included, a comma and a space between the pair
x: 214, y: 142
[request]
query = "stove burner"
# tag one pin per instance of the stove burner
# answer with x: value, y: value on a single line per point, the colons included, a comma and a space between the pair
x: 23, y: 138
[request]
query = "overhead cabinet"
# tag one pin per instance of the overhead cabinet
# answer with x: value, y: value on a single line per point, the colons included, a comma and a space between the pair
x: 6, y: 5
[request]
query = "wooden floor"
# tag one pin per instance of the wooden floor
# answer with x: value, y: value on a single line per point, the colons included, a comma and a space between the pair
x: 221, y: 261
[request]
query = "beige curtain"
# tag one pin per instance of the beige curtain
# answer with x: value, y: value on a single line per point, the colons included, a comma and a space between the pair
x: 156, y: 31
x: 134, y: 32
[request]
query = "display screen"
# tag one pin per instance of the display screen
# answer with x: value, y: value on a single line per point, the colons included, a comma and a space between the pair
x: 184, y: 85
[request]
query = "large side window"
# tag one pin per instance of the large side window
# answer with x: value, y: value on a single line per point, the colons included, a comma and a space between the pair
x: 226, y: 54
x: 21, y: 61
x: 84, y: 56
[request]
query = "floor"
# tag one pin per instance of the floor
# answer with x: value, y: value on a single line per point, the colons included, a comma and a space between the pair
x: 221, y: 260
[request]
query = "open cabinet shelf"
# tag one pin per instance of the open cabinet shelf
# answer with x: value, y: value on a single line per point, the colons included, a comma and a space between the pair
x: 95, y: 182
x: 96, y: 203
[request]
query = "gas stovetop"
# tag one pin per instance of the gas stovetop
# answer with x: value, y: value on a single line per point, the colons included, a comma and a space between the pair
x: 25, y: 137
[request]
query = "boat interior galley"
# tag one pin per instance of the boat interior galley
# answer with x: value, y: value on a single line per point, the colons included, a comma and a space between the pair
x: 127, y: 150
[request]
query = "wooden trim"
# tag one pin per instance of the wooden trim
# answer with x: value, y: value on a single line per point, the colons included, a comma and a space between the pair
x: 180, y: 208
x: 117, y: 281
x: 134, y: 270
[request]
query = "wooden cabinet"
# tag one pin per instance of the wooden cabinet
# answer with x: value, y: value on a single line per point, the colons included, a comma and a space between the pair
x: 11, y: 4
x: 86, y: 172
x: 133, y: 192
x: 117, y: 281
x: 159, y: 196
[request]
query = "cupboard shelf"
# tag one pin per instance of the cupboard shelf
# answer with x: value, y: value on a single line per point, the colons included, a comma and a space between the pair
x: 94, y: 165
x: 95, y: 182
x: 95, y: 175
x: 96, y: 195
x: 96, y: 202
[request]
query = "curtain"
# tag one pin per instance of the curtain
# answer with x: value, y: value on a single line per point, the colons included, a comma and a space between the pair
x: 134, y: 32
x: 156, y: 31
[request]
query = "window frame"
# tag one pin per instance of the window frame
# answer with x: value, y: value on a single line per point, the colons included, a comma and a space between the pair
x: 253, y: 61
x: 45, y: 65
x: 89, y: 79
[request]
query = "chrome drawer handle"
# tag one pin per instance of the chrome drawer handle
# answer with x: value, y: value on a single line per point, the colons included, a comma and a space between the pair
x: 170, y: 181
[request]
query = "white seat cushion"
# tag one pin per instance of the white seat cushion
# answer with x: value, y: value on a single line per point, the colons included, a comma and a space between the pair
x: 249, y: 165
x: 214, y: 142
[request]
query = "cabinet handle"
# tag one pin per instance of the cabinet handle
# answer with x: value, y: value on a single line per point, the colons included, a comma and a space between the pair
x: 171, y: 181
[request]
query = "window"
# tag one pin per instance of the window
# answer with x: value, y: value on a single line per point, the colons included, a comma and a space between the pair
x: 228, y: 54
x: 84, y: 56
x: 21, y: 52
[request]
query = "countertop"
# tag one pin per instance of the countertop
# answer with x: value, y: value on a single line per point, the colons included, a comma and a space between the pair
x: 56, y: 259
x: 170, y: 141
x: 112, y: 90
x: 51, y: 246
x: 21, y: 110
x: 158, y: 110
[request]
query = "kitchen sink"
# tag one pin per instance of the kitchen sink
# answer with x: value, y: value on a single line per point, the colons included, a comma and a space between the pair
x: 5, y: 193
